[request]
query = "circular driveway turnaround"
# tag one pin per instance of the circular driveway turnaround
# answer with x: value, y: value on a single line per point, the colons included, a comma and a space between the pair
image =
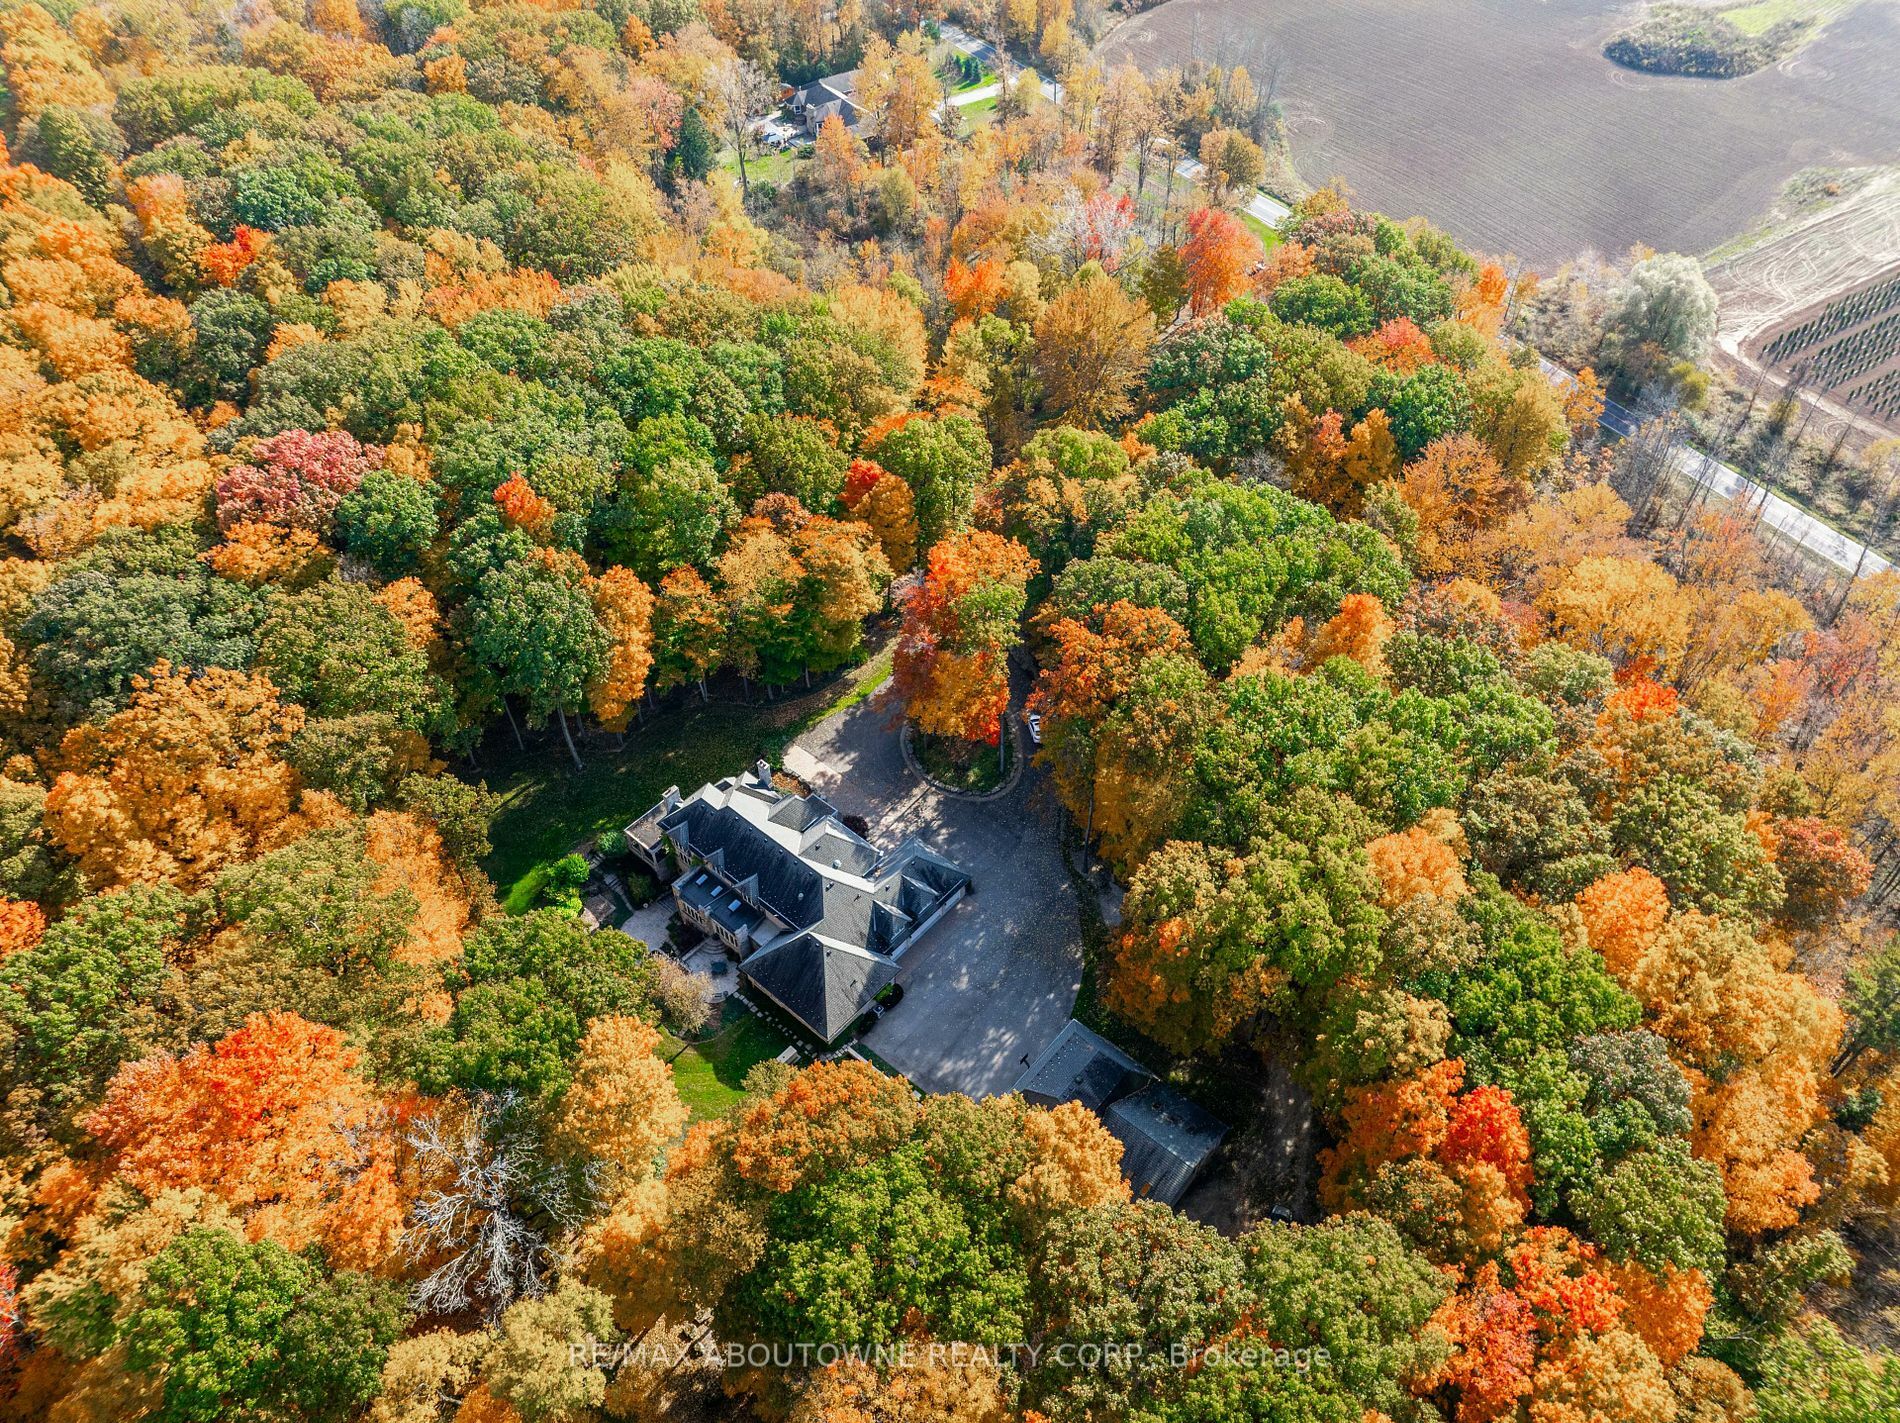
x: 995, y: 979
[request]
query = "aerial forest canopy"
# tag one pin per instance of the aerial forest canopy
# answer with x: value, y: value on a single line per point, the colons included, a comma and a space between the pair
x: 388, y: 391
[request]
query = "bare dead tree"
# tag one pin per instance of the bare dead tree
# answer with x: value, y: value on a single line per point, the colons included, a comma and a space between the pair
x: 495, y: 1204
x: 1643, y: 465
x: 740, y: 93
x: 1872, y: 533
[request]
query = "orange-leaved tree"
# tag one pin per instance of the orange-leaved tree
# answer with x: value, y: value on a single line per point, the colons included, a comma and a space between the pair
x: 1218, y: 254
x: 272, y: 1119
x: 624, y: 607
x: 186, y: 780
x: 951, y: 673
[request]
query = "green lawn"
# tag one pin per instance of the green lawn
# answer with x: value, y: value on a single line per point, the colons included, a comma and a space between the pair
x: 1269, y: 238
x: 710, y: 1074
x: 1762, y: 15
x: 771, y: 166
x: 548, y: 808
x: 980, y: 107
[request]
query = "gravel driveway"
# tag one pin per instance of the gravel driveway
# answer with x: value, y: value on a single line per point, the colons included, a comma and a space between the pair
x: 996, y: 978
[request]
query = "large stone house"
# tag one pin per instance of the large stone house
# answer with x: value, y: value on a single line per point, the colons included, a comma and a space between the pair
x: 816, y: 915
x: 820, y: 99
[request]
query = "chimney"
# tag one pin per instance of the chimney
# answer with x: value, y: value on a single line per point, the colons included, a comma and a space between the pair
x: 763, y: 771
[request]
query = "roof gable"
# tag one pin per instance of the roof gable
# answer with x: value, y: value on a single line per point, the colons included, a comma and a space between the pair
x: 827, y: 986
x: 1081, y: 1066
x: 1165, y: 1139
x: 785, y: 884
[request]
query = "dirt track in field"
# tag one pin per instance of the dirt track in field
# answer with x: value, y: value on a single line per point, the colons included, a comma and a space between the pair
x: 1502, y: 121
x: 1807, y: 260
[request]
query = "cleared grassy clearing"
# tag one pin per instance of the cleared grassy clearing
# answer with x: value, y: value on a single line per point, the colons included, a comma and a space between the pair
x: 1761, y: 16
x: 1269, y: 238
x: 710, y: 1073
x: 548, y: 807
x: 773, y: 166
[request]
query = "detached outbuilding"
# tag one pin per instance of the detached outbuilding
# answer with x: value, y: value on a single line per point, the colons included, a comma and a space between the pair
x: 1166, y: 1139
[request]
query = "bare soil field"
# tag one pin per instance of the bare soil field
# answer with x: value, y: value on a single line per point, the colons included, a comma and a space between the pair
x: 1503, y: 121
x: 1774, y: 286
x: 1847, y: 348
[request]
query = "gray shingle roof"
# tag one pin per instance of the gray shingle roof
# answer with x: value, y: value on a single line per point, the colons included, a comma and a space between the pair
x: 826, y: 986
x: 825, y: 907
x: 704, y: 892
x: 1080, y: 1066
x: 787, y: 885
x: 1165, y: 1138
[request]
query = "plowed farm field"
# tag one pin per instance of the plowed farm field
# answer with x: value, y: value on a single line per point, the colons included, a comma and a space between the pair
x: 1503, y: 122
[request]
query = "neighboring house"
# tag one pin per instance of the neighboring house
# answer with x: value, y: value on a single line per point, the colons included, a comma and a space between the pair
x: 821, y: 98
x: 816, y: 915
x: 1166, y: 1139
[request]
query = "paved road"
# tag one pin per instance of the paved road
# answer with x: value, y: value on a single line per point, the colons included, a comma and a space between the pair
x: 1262, y: 208
x: 995, y: 980
x: 1050, y: 91
x: 984, y: 53
x: 1785, y: 517
x: 963, y: 42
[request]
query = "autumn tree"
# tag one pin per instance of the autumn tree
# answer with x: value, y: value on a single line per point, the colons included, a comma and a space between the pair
x: 830, y: 1117
x: 1217, y: 255
x: 796, y: 588
x: 1092, y: 345
x: 266, y: 1118
x: 687, y: 630
x: 1622, y: 608
x: 624, y: 607
x: 621, y: 1107
x: 951, y: 675
x: 1367, y: 456
x: 1095, y: 664
x: 889, y: 509
x: 1233, y: 166
x: 1455, y: 487
x: 898, y: 90
x: 184, y: 781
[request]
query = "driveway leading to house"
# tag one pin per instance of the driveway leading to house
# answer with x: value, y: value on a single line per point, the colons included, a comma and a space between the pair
x: 995, y: 979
